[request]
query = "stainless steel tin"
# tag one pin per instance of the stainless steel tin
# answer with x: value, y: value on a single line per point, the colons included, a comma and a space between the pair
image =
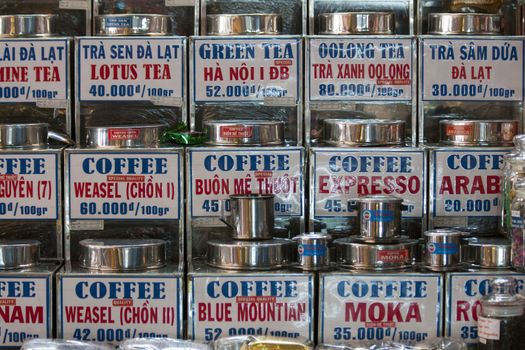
x: 161, y: 344
x: 251, y: 255
x: 17, y: 254
x: 60, y: 344
x: 122, y: 254
x: 143, y: 136
x: 363, y: 132
x: 464, y: 24
x: 33, y: 25
x: 274, y: 343
x: 379, y: 216
x: 312, y: 251
x: 133, y: 24
x: 29, y: 135
x: 363, y: 256
x: 351, y: 23
x: 488, y: 253
x: 251, y: 216
x: 232, y: 343
x: 478, y: 132
x: 244, y: 24
x: 244, y: 132
x: 443, y: 249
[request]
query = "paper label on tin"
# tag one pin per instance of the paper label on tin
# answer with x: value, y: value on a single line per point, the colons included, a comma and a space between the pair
x: 131, y: 69
x: 118, y: 22
x: 488, y: 328
x: 311, y: 250
x: 73, y: 4
x: 467, y: 182
x: 52, y: 103
x: 86, y: 225
x: 179, y: 3
x: 34, y: 70
x: 124, y: 185
x: 269, y: 305
x: 236, y: 131
x: 459, y: 130
x: 124, y: 134
x: 442, y: 248
x: 29, y: 186
x: 517, y: 219
x: 472, y: 69
x: 403, y: 308
x: 25, y: 309
x: 246, y: 69
x: 343, y: 175
x: 114, y: 308
x: 393, y: 256
x: 350, y: 69
x: 215, y: 174
x: 463, y: 307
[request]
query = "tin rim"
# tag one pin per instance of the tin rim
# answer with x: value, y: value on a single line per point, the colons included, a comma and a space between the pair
x: 363, y: 132
x: 229, y: 24
x: 18, y: 254
x: 440, y: 232
x: 464, y: 24
x: 13, y: 26
x: 348, y: 23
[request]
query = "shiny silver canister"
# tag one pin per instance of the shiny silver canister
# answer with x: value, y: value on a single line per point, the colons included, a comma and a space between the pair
x: 478, y: 132
x: 144, y: 136
x: 488, y: 253
x: 378, y: 257
x: 443, y: 249
x: 363, y: 132
x: 60, y: 344
x: 30, y: 25
x: 464, y: 24
x: 313, y: 251
x: 379, y: 216
x: 244, y: 132
x: 17, y: 254
x: 122, y: 254
x: 251, y: 255
x: 161, y: 344
x: 251, y: 216
x: 244, y: 24
x: 30, y: 135
x: 232, y: 343
x: 133, y: 24
x: 352, y: 23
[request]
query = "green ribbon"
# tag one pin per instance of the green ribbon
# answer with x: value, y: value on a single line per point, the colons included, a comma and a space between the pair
x: 180, y: 135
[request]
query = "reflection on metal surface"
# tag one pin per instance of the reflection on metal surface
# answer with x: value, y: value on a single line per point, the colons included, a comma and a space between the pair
x: 464, y: 23
x: 244, y: 132
x: 349, y: 23
x: 34, y: 25
x: 244, y: 24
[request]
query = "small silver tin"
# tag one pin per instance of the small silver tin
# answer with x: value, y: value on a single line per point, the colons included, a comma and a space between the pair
x: 251, y: 216
x: 32, y: 25
x: 352, y: 23
x: 144, y: 136
x: 376, y: 257
x: 363, y: 132
x: 160, y: 344
x: 31, y: 135
x: 60, y: 344
x: 464, y: 24
x: 488, y: 253
x: 254, y: 255
x: 379, y: 217
x: 244, y: 132
x: 478, y: 132
x: 133, y: 24
x: 122, y: 254
x: 18, y: 254
x: 443, y: 249
x: 244, y: 24
x: 313, y: 251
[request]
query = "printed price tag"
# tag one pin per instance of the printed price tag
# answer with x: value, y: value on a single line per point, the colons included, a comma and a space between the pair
x: 73, y: 4
x: 111, y: 309
x: 404, y: 308
x: 466, y: 182
x: 28, y: 186
x: 131, y: 69
x: 25, y: 309
x: 463, y: 309
x: 216, y: 174
x: 33, y: 70
x: 272, y: 305
x: 341, y: 176
x: 124, y: 185
x: 246, y: 69
x: 472, y: 69
x: 361, y: 69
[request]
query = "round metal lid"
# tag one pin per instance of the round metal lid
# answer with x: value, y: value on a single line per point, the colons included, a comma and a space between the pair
x: 490, y: 242
x: 17, y: 254
x: 60, y: 344
x: 444, y: 232
x: 244, y: 24
x: 378, y: 198
x: 312, y: 235
x: 28, y: 25
x: 122, y: 254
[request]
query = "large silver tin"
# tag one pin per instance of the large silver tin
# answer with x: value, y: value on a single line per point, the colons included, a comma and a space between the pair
x: 244, y: 24
x: 499, y: 133
x: 60, y: 344
x: 29, y: 135
x: 251, y: 217
x: 464, y: 24
x: 313, y: 251
x: 363, y: 132
x: 443, y: 249
x: 488, y: 253
x: 144, y: 136
x: 133, y: 24
x: 352, y: 23
x: 379, y: 217
x: 19, y: 254
x: 37, y: 25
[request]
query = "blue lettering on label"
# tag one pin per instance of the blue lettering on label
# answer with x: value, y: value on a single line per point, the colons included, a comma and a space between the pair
x: 125, y: 166
x: 382, y: 289
x: 232, y: 289
x: 443, y: 248
x: 17, y: 289
x: 118, y: 22
x: 475, y: 161
x: 378, y: 215
x: 240, y: 162
x: 371, y: 164
x: 22, y: 166
x: 121, y: 290
x: 312, y: 250
x: 475, y: 288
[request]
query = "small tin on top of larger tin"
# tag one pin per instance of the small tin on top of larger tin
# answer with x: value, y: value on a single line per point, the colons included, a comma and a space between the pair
x: 122, y: 254
x: 133, y: 24
x: 244, y: 132
x: 30, y: 25
x: 463, y: 132
x: 443, y: 249
x: 244, y: 24
x: 18, y: 254
x: 313, y: 250
x: 379, y: 217
x: 363, y: 132
x: 464, y: 24
x: 125, y: 136
x: 352, y: 23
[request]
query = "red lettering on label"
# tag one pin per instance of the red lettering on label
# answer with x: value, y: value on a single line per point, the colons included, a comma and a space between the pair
x: 22, y: 314
x: 123, y: 134
x: 96, y: 190
x: 459, y: 130
x: 461, y: 184
x: 393, y: 256
x: 219, y: 312
x: 236, y: 132
x: 382, y: 312
x: 467, y: 311
x: 88, y: 314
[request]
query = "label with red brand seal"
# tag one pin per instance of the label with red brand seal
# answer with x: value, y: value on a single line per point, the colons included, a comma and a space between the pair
x: 236, y: 132
x: 393, y: 256
x: 459, y: 130
x: 123, y: 134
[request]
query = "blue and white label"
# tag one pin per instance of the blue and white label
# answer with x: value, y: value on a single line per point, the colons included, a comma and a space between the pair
x: 317, y: 250
x: 443, y: 248
x: 472, y: 69
x: 384, y: 216
x: 118, y: 22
